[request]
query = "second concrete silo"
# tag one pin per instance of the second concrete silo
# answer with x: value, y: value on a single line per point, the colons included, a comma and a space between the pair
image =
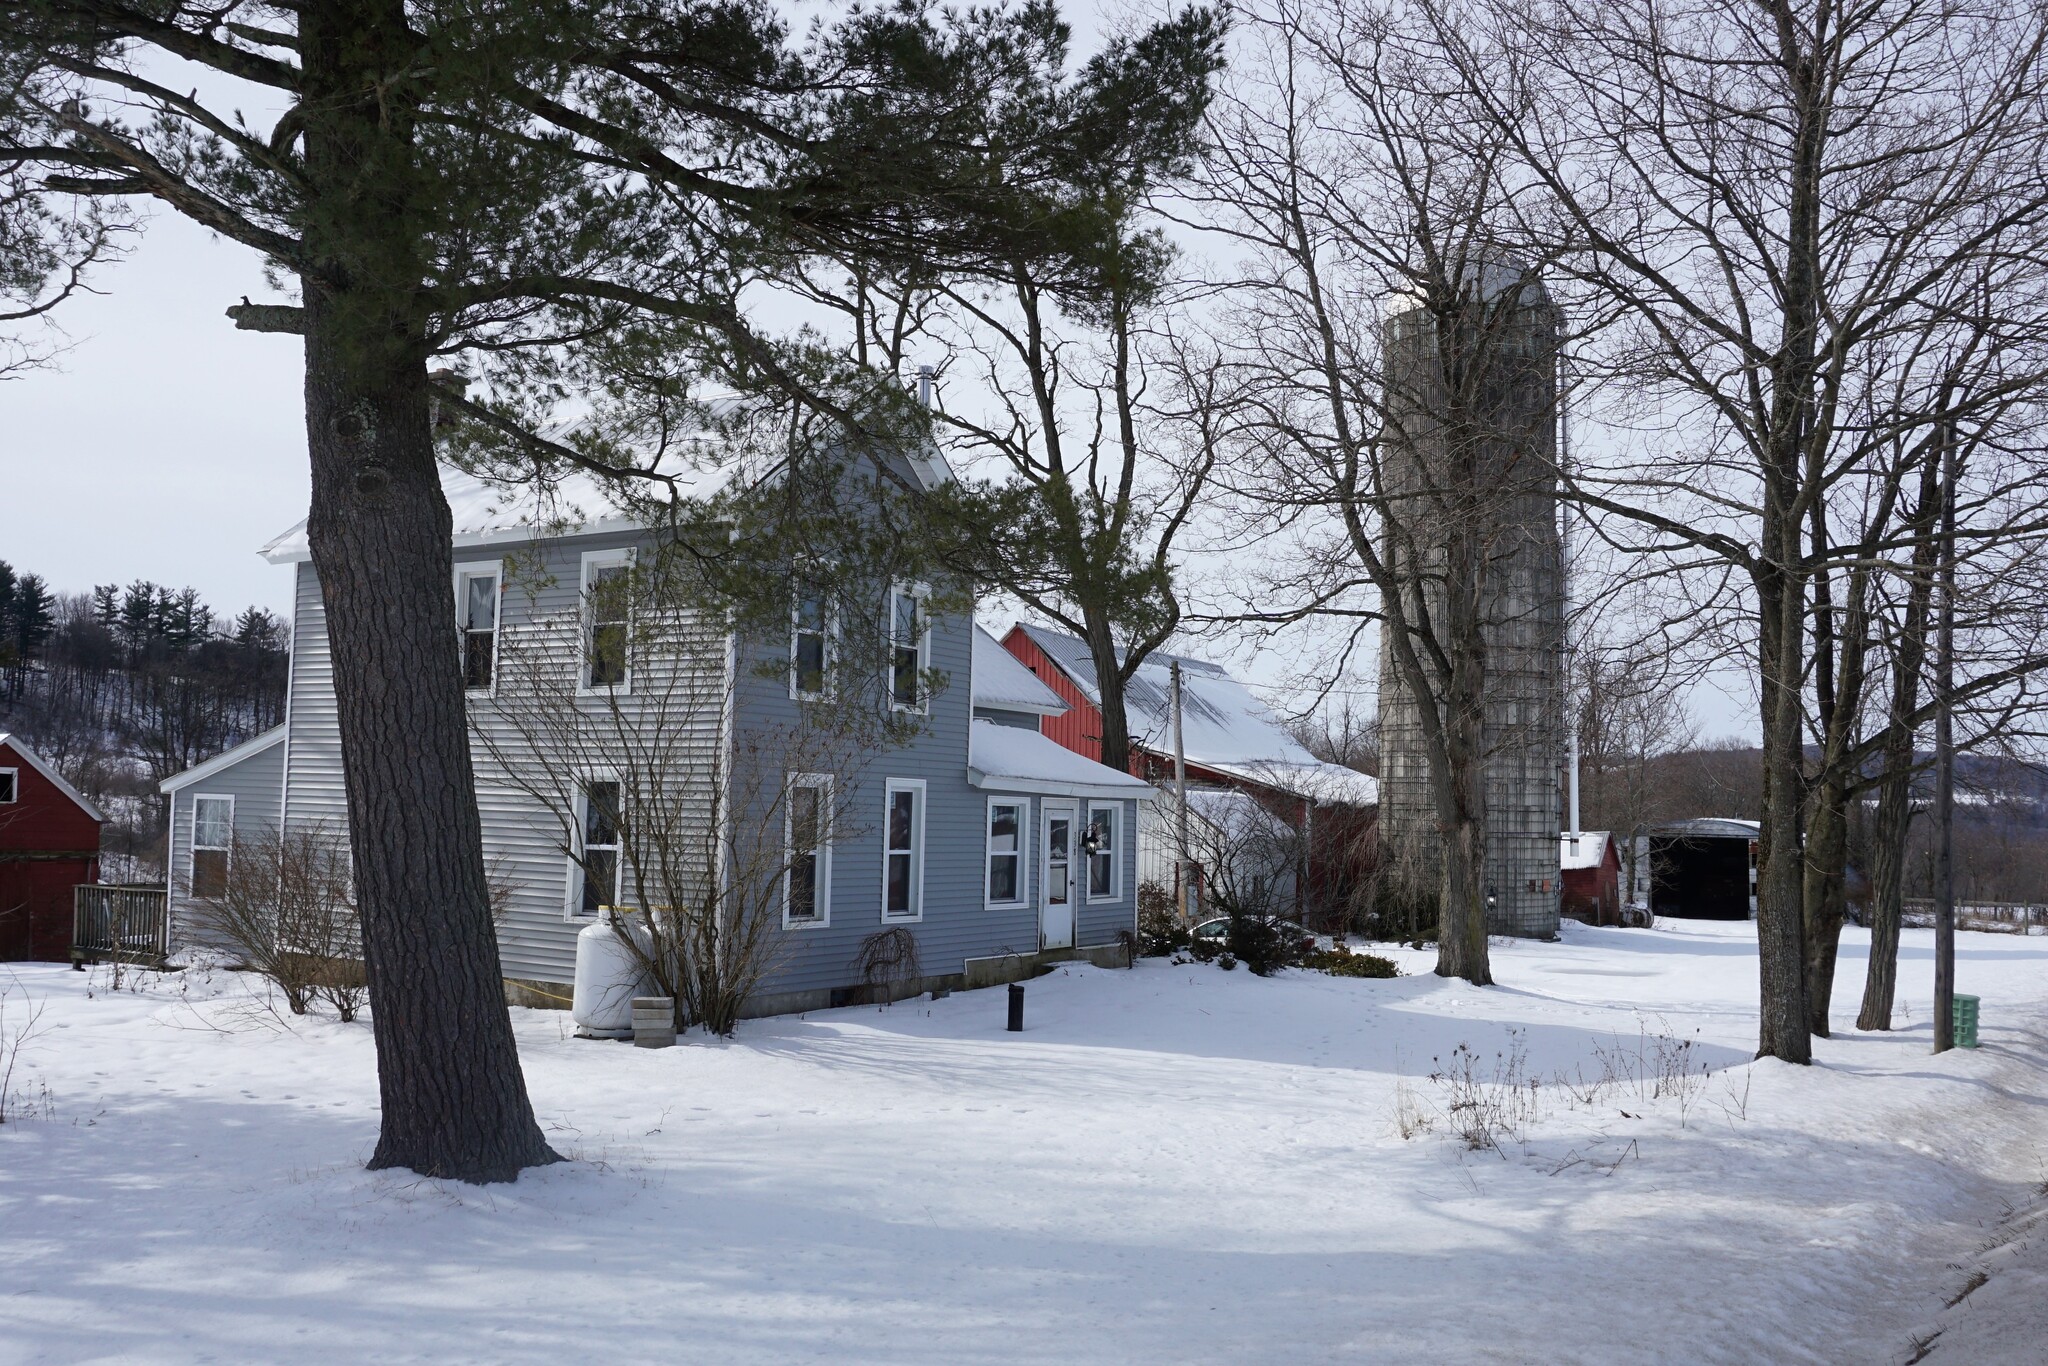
x: 1470, y: 445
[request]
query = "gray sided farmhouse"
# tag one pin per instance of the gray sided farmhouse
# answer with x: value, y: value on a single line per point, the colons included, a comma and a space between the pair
x: 991, y: 845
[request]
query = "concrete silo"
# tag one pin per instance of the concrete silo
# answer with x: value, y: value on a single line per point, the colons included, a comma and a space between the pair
x: 1470, y: 461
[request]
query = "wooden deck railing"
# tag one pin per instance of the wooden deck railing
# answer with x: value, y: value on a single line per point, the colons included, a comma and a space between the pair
x: 131, y: 924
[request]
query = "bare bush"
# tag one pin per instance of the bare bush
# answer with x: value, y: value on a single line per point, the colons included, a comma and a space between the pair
x: 1483, y: 1105
x: 17, y: 1028
x: 285, y: 906
x: 887, y: 962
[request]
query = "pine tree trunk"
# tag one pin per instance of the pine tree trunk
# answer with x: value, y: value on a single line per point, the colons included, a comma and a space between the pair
x: 1109, y: 687
x: 453, y: 1096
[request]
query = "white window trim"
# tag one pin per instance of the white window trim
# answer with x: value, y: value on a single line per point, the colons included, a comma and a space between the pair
x: 13, y: 786
x: 599, y: 559
x: 495, y: 571
x: 192, y: 845
x: 572, y: 900
x: 1023, y: 805
x: 797, y: 694
x: 922, y: 596
x: 889, y: 791
x: 823, y: 919
x: 1116, y: 853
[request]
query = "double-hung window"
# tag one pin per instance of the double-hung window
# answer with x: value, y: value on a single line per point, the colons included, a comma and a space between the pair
x: 908, y: 631
x: 10, y: 786
x: 1007, y: 821
x: 213, y: 838
x: 607, y: 619
x: 807, y: 872
x: 1102, y: 851
x: 599, y: 828
x: 810, y: 642
x: 476, y: 616
x: 903, y: 850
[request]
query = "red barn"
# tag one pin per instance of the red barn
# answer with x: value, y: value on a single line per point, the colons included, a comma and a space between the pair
x: 49, y: 843
x: 1232, y: 741
x: 1591, y: 878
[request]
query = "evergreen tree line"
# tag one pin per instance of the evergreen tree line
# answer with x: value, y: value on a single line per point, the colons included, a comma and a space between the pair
x: 125, y: 686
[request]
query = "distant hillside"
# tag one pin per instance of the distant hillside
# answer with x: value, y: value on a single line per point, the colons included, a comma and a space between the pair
x: 123, y: 687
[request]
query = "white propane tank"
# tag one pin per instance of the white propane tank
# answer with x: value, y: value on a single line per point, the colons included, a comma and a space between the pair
x: 608, y: 977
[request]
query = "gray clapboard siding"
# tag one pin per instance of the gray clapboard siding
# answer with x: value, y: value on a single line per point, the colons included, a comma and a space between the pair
x: 256, y: 783
x: 539, y: 620
x: 957, y: 924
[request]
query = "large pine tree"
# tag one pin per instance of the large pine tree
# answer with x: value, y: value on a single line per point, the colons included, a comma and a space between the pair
x: 563, y: 192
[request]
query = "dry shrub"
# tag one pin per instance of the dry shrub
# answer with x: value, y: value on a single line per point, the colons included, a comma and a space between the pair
x: 887, y: 962
x: 284, y: 906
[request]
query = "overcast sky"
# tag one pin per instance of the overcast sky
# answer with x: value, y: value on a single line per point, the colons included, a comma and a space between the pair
x: 164, y: 444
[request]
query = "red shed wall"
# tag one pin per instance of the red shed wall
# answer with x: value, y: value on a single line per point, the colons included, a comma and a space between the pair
x: 35, y: 892
x: 1080, y: 727
x: 1593, y: 894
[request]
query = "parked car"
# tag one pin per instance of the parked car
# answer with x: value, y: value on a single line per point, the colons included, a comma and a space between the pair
x: 1218, y: 929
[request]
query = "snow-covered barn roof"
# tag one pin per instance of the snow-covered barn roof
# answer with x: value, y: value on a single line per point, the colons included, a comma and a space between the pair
x: 1709, y: 828
x: 1591, y: 853
x: 1227, y: 729
x: 1002, y: 682
x: 1010, y: 759
x: 21, y: 750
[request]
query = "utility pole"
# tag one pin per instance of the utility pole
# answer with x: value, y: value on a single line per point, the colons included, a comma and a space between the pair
x: 1564, y: 590
x: 1945, y: 766
x: 1184, y: 866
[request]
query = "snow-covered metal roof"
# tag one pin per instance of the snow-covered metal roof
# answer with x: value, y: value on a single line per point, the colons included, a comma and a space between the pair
x: 486, y: 512
x: 35, y: 761
x: 1009, y: 759
x: 1709, y: 828
x: 1227, y: 729
x: 1003, y: 683
x: 1591, y: 853
x: 226, y: 759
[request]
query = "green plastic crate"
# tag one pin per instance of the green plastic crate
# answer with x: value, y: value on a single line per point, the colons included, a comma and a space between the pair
x: 1963, y: 1020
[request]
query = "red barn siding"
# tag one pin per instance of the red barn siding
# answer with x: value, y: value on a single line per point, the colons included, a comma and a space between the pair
x: 48, y: 845
x: 1593, y: 895
x: 1080, y: 727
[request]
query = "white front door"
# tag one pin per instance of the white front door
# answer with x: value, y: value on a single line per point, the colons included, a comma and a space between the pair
x: 1056, y: 880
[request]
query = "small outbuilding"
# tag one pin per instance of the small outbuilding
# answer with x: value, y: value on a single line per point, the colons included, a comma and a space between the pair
x: 1590, y: 877
x: 1700, y: 869
x: 49, y: 844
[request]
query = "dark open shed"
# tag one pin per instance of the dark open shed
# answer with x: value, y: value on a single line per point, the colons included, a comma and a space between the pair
x: 1703, y: 869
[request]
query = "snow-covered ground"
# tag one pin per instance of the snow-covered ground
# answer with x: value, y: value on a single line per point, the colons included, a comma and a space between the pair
x: 1170, y: 1164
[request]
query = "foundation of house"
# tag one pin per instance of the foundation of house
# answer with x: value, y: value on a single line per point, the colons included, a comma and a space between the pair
x: 976, y: 972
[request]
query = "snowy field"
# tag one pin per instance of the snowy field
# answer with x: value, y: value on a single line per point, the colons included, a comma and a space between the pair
x: 1171, y: 1164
